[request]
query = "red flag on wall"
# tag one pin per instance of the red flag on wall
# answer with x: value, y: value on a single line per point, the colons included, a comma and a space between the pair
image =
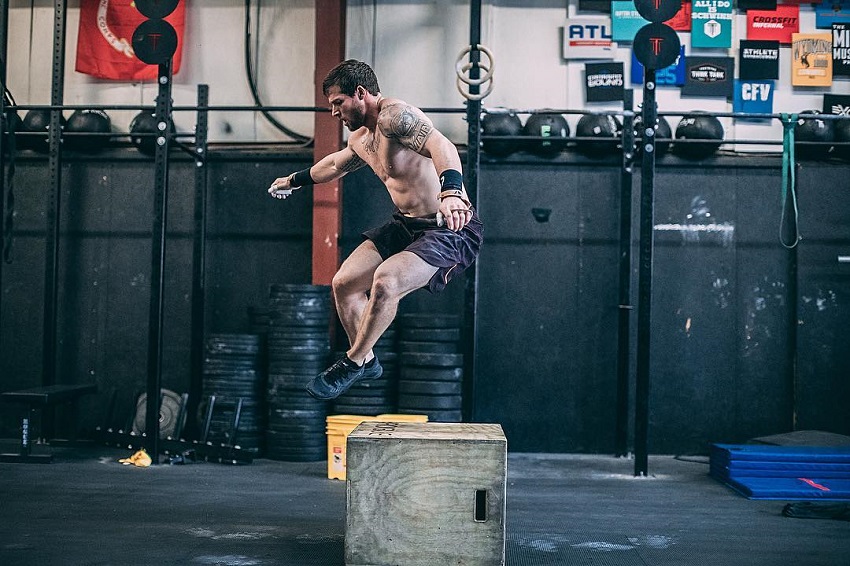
x: 104, y: 45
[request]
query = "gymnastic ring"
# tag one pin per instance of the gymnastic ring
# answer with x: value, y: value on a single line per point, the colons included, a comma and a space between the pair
x: 470, y: 96
x: 489, y: 68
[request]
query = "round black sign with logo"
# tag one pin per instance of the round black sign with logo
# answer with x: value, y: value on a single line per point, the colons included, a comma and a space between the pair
x: 154, y: 41
x: 658, y: 11
x: 156, y: 9
x: 656, y: 46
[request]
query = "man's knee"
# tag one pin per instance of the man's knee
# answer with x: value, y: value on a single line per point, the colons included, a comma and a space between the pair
x: 344, y: 285
x: 386, y: 286
x: 339, y: 282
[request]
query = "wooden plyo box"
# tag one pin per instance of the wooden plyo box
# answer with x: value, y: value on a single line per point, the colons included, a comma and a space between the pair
x: 426, y: 494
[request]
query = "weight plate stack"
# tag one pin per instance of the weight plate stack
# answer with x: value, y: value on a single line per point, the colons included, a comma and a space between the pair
x: 296, y: 435
x: 258, y: 320
x: 298, y: 349
x: 431, y: 377
x: 233, y: 370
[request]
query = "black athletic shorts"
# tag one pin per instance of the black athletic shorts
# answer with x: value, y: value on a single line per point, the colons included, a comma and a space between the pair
x: 450, y: 252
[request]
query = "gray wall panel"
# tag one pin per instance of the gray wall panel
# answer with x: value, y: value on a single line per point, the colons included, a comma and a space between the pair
x: 547, y: 303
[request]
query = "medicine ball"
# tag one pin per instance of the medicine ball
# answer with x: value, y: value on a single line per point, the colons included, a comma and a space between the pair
x: 841, y: 130
x: 550, y: 126
x: 662, y: 132
x: 88, y: 121
x: 598, y: 126
x: 698, y: 126
x: 36, y: 121
x: 501, y: 122
x: 809, y: 128
x: 145, y: 123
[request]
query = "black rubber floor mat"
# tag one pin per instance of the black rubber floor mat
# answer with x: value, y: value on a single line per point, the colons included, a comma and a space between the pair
x: 525, y: 549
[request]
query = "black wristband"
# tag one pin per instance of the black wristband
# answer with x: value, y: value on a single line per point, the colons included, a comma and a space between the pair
x: 451, y: 179
x: 302, y: 178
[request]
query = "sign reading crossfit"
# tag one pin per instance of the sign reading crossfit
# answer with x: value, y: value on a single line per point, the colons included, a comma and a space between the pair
x: 656, y: 46
x: 774, y: 25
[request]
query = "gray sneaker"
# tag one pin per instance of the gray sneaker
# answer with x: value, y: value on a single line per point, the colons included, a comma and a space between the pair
x: 373, y: 369
x: 336, y: 380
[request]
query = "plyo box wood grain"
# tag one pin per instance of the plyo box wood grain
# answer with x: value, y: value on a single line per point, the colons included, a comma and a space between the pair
x: 426, y: 494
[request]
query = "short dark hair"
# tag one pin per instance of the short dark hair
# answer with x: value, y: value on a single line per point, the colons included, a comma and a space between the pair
x: 350, y: 74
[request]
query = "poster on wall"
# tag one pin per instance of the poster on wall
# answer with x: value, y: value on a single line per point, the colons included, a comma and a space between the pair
x: 776, y: 24
x: 753, y: 97
x: 674, y: 75
x: 594, y: 5
x: 836, y: 104
x: 103, y: 51
x: 830, y: 12
x: 709, y: 76
x: 811, y: 59
x: 745, y: 5
x: 841, y: 50
x: 604, y: 82
x: 588, y: 37
x: 758, y: 60
x: 711, y: 23
x: 625, y: 20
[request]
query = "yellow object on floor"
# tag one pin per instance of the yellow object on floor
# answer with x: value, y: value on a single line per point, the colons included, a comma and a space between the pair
x: 140, y: 459
x: 340, y: 426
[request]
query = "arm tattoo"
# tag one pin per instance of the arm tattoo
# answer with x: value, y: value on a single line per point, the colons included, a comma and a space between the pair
x: 406, y: 124
x: 352, y: 164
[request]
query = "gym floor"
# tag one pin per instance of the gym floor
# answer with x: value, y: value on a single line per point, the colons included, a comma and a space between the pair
x: 87, y: 508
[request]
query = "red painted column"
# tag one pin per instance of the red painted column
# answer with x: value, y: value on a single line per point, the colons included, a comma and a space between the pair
x: 327, y: 197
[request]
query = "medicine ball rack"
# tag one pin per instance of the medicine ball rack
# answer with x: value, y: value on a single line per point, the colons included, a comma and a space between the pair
x: 196, y: 144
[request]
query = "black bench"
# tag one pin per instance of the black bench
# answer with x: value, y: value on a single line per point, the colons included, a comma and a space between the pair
x: 35, y: 399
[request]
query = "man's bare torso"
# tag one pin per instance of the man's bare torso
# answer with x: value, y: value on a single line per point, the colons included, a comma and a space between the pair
x: 391, y: 150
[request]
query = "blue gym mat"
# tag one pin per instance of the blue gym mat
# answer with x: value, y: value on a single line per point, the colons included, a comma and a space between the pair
x: 792, y: 489
x: 793, y: 473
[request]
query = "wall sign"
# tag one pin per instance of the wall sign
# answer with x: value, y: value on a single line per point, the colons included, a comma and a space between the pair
x: 758, y: 60
x: 776, y: 24
x: 711, y: 23
x: 811, y: 59
x: 588, y: 37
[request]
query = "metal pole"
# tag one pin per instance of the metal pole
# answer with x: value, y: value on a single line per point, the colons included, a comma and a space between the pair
x: 199, y: 262
x: 160, y: 209
x: 647, y: 221
x: 327, y: 197
x: 473, y: 158
x: 621, y: 436
x: 4, y: 35
x: 54, y: 199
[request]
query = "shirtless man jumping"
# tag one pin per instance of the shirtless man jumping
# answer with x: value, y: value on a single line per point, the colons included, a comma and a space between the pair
x: 421, y: 169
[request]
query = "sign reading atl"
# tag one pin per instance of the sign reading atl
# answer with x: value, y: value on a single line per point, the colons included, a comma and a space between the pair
x: 588, y: 31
